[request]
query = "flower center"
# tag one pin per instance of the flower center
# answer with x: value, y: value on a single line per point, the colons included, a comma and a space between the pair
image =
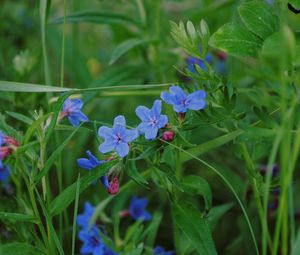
x: 118, y: 138
x: 184, y: 102
x: 94, y: 241
x: 153, y: 121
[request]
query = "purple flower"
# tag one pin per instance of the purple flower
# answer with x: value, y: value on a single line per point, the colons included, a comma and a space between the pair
x: 72, y: 109
x: 117, y: 137
x: 84, y: 218
x: 89, y: 163
x: 92, y: 242
x: 183, y: 101
x: 137, y: 209
x: 158, y: 250
x: 4, y: 172
x: 197, y: 61
x: 152, y: 120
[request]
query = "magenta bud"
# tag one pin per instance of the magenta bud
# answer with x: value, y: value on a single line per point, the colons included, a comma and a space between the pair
x: 113, y: 188
x: 5, y: 151
x: 11, y: 141
x: 168, y: 135
x: 221, y: 55
x: 124, y: 213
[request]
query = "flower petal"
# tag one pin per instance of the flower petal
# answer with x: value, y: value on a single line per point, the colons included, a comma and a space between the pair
x: 105, y: 132
x: 142, y: 112
x: 120, y: 120
x: 106, y: 147
x: 73, y: 120
x: 199, y: 94
x: 80, y: 116
x: 162, y: 121
x: 131, y: 135
x: 156, y: 108
x: 151, y: 133
x: 122, y: 149
x: 168, y: 98
x: 179, y: 108
x: 176, y: 90
x: 85, y: 163
x: 196, y: 104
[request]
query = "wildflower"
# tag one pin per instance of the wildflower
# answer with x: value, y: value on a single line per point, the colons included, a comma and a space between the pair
x: 197, y: 61
x: 4, y: 172
x: 72, y: 110
x: 89, y: 163
x: 84, y: 218
x: 183, y: 101
x: 158, y: 250
x: 113, y: 186
x: 92, y: 242
x: 168, y: 135
x: 137, y: 209
x: 117, y: 137
x: 152, y: 120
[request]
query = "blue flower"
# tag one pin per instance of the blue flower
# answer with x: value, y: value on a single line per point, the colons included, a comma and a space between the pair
x: 152, y: 120
x: 183, y: 101
x: 2, y: 138
x: 197, y: 61
x: 83, y: 219
x: 72, y: 109
x: 89, y: 163
x: 4, y: 172
x: 92, y: 242
x: 137, y: 209
x: 158, y: 250
x: 117, y: 137
x: 108, y: 251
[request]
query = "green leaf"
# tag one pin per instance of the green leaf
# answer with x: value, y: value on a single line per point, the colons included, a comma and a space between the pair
x: 258, y: 18
x: 19, y: 249
x: 20, y: 117
x: 196, y: 185
x: 75, y: 215
x: 236, y: 40
x: 134, y: 174
x: 210, y: 145
x: 295, y: 4
x: 296, y: 245
x: 125, y: 46
x: 195, y: 227
x: 28, y: 87
x: 54, y: 156
x: 169, y: 172
x: 217, y: 212
x: 65, y: 198
x: 101, y: 17
x: 4, y: 216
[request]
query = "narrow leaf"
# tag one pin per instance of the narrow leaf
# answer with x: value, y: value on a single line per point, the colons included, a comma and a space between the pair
x: 19, y: 249
x: 28, y: 87
x: 15, y: 217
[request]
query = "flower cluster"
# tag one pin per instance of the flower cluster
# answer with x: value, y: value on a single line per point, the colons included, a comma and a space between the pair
x: 91, y: 235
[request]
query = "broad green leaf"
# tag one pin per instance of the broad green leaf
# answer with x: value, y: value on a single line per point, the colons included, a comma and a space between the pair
x: 195, y: 227
x: 125, y: 46
x: 4, y: 216
x: 210, y: 145
x: 217, y: 212
x: 19, y: 249
x: 296, y: 245
x: 236, y: 40
x: 169, y: 172
x: 28, y: 87
x: 54, y: 156
x: 65, y: 198
x: 295, y: 4
x: 258, y: 18
x: 196, y: 185
x: 20, y: 117
x: 99, y: 17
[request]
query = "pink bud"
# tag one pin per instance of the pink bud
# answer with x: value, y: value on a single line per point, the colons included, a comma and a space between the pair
x: 221, y: 55
x: 168, y: 135
x: 5, y: 151
x: 113, y: 188
x: 124, y: 213
x: 11, y: 141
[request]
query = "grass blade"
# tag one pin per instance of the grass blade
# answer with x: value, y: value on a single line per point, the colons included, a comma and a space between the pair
x: 75, y: 214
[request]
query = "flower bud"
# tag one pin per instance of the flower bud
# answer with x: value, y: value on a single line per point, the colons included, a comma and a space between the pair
x: 168, y: 135
x: 5, y: 151
x: 113, y: 188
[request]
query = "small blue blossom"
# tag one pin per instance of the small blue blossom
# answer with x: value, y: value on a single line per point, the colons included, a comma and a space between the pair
x: 2, y: 138
x: 158, y: 250
x: 92, y: 242
x: 137, y: 209
x: 108, y: 251
x: 83, y: 219
x: 4, y: 172
x: 183, y: 101
x: 117, y: 137
x: 72, y: 109
x: 152, y: 120
x: 89, y: 163
x: 197, y: 61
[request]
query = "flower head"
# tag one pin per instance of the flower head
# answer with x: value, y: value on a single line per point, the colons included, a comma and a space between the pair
x: 89, y: 163
x: 92, y: 242
x: 183, y: 101
x: 4, y: 172
x: 152, y: 120
x: 72, y: 110
x: 158, y: 250
x: 137, y: 209
x: 84, y: 218
x: 117, y: 137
